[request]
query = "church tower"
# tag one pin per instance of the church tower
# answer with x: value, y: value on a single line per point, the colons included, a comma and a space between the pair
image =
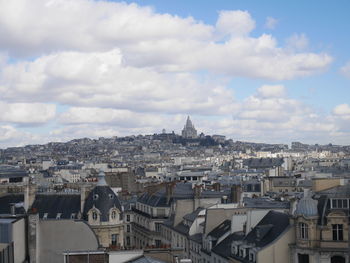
x: 189, y: 131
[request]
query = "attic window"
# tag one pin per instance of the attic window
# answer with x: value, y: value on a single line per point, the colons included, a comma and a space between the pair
x: 72, y: 216
x: 95, y: 197
x: 45, y: 216
x: 110, y: 196
x: 58, y: 216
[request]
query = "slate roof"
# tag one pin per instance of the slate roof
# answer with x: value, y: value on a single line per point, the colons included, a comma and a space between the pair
x: 263, y: 162
x: 8, y: 171
x: 268, y: 229
x: 103, y: 198
x: 265, y: 203
x: 7, y: 200
x: 224, y: 247
x: 145, y: 259
x: 324, y: 201
x: 181, y: 191
x: 192, y: 216
x: 197, y: 238
x: 52, y: 204
x: 221, y: 229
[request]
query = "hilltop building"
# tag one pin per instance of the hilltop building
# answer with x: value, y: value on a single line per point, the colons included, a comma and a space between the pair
x: 189, y: 131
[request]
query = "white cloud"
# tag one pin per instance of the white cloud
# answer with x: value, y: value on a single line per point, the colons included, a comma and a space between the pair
x: 27, y: 113
x: 271, y: 23
x: 345, y: 70
x: 272, y: 91
x: 180, y: 44
x: 298, y: 42
x: 235, y: 23
x: 342, y: 110
x: 100, y: 79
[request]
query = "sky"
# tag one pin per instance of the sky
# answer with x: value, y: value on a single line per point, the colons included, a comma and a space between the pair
x: 264, y: 71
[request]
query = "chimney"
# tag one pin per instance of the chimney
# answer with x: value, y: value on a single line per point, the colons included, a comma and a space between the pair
x: 235, y: 194
x: 169, y: 190
x: 83, y: 194
x: 197, y: 191
x: 29, y: 193
x: 13, y: 209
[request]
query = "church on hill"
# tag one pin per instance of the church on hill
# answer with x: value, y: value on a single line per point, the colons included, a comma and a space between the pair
x: 189, y: 131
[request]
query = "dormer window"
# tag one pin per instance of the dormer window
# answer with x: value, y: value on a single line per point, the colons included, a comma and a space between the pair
x: 234, y: 250
x: 339, y: 203
x: 72, y: 216
x: 45, y: 216
x: 58, y: 216
x: 95, y: 196
x: 113, y: 215
x: 252, y: 256
x: 110, y: 196
x: 94, y: 216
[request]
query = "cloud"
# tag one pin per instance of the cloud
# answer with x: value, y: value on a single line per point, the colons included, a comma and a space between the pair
x: 27, y: 113
x: 297, y: 42
x: 272, y: 91
x: 270, y: 23
x: 342, y: 110
x: 100, y: 79
x: 235, y: 23
x: 345, y: 70
x: 179, y: 45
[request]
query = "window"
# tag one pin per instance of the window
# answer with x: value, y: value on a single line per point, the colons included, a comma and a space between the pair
x: 339, y: 203
x: 110, y: 196
x: 94, y: 216
x: 72, y: 216
x: 128, y: 228
x: 158, y: 227
x: 158, y: 243
x: 128, y: 218
x: 113, y: 215
x: 114, y: 239
x: 303, y: 258
x: 128, y: 241
x: 303, y: 231
x: 45, y: 216
x: 95, y: 197
x: 58, y: 216
x: 337, y: 232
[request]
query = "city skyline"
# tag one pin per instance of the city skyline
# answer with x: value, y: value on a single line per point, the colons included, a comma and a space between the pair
x: 249, y: 71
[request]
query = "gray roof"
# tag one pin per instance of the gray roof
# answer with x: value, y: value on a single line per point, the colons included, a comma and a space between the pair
x: 221, y: 229
x: 53, y: 204
x: 7, y: 200
x: 263, y: 162
x: 145, y: 259
x: 192, y: 216
x: 8, y: 171
x: 307, y: 207
x: 103, y: 198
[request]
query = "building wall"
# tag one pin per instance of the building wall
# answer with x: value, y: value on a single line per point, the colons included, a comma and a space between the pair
x: 19, y: 233
x: 278, y: 251
x: 104, y: 234
x: 321, y: 184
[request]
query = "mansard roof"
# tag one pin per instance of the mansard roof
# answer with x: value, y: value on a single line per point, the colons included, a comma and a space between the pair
x: 270, y: 227
x: 10, y: 199
x: 221, y: 229
x: 103, y: 198
x: 53, y: 204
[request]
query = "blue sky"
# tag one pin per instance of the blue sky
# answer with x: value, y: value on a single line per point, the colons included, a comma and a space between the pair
x: 267, y: 71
